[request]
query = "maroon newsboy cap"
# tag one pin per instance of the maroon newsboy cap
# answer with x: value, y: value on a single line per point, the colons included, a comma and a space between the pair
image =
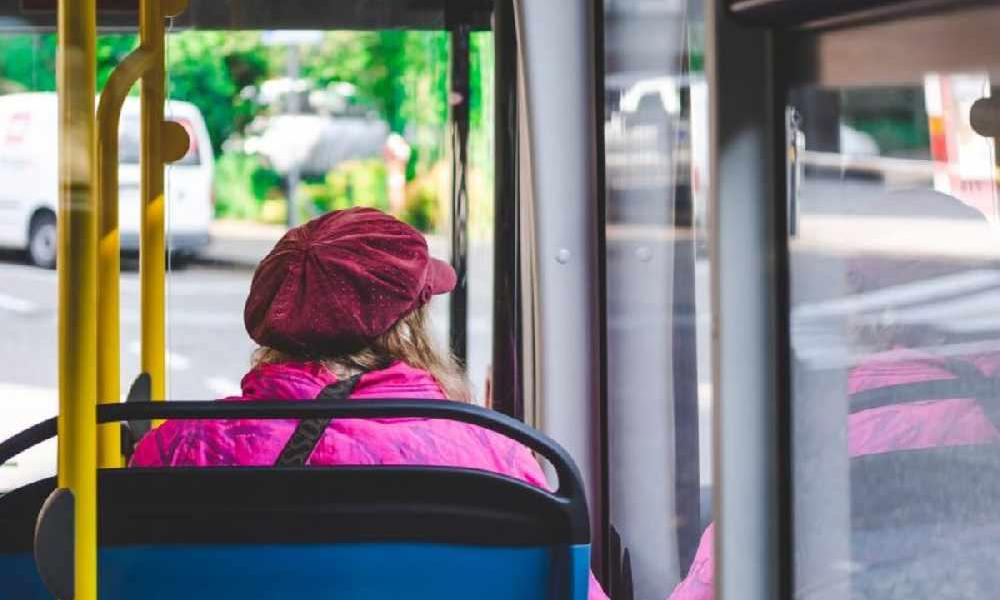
x: 341, y: 280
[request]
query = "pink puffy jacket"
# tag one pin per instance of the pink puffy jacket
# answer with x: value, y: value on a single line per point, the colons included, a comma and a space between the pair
x: 347, y: 441
x: 908, y: 426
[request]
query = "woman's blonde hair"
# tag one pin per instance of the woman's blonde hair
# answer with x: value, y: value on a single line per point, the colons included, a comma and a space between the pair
x: 409, y: 341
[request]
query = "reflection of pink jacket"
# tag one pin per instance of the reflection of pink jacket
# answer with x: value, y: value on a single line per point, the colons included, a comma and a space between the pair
x: 908, y: 426
x: 347, y: 441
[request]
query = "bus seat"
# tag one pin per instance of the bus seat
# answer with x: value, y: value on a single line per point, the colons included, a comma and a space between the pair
x: 340, y: 532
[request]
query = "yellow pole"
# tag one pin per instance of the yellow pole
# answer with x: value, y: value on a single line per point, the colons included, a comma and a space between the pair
x: 77, y: 263
x: 153, y: 248
x: 109, y: 266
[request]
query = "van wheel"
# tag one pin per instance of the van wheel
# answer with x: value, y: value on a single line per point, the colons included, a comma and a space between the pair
x: 42, y: 239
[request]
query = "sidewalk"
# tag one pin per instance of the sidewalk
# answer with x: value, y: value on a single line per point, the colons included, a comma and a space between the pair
x: 242, y: 244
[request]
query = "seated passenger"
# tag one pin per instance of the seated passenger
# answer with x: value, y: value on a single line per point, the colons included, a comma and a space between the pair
x: 900, y: 354
x: 344, y: 298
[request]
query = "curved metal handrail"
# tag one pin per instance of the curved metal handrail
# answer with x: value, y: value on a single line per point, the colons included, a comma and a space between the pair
x: 570, y: 482
x: 27, y: 439
x: 109, y: 110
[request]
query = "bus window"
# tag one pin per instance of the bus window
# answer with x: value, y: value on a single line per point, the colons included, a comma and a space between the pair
x: 365, y: 121
x: 894, y: 284
x: 657, y: 297
x: 300, y: 123
x: 28, y: 204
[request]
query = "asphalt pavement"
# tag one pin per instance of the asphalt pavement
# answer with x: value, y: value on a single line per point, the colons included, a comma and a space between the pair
x: 208, y: 348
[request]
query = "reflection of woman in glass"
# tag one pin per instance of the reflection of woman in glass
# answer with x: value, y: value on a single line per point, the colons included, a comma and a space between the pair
x: 902, y: 347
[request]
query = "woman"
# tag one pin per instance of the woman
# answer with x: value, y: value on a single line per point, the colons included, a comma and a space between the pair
x: 344, y: 298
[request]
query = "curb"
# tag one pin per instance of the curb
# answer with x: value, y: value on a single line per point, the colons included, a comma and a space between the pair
x: 242, y: 244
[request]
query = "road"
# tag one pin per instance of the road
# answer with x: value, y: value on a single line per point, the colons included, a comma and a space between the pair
x: 208, y: 347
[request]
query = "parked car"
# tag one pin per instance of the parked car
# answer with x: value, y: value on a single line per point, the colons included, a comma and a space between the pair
x: 30, y: 192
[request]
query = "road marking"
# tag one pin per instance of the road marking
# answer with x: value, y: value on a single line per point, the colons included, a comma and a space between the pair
x: 205, y: 319
x: 904, y: 294
x: 22, y: 406
x: 962, y: 302
x: 223, y: 387
x: 177, y: 362
x: 28, y: 273
x: 946, y: 312
x: 17, y: 305
x: 188, y: 288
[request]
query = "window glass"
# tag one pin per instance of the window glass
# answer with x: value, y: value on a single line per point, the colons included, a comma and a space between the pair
x: 658, y: 366
x: 894, y: 282
x: 330, y: 119
x: 128, y: 142
x: 28, y: 201
x: 480, y: 189
x: 294, y: 124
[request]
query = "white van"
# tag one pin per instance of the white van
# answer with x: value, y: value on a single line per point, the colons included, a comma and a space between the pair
x: 29, y: 183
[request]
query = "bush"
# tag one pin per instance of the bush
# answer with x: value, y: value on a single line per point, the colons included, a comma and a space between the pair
x: 426, y: 199
x: 242, y: 184
x: 274, y: 211
x: 353, y: 183
x: 421, y: 210
x: 314, y: 199
x: 367, y: 184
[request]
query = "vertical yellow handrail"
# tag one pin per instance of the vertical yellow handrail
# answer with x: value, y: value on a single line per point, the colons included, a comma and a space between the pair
x: 77, y: 263
x: 109, y: 250
x: 89, y: 249
x: 152, y: 232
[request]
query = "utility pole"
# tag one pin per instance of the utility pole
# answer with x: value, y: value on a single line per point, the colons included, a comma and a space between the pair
x: 293, y: 107
x: 293, y: 42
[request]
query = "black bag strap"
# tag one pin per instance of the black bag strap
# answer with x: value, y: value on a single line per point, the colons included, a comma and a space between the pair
x: 310, y: 431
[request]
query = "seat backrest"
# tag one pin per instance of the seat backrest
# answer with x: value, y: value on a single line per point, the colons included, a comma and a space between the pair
x: 343, y: 532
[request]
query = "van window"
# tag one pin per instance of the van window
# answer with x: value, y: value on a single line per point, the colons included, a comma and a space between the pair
x: 193, y: 156
x: 128, y: 142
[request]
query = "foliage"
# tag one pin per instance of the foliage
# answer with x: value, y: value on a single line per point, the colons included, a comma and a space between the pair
x: 481, y: 80
x: 480, y: 174
x: 29, y: 61
x: 111, y: 50
x: 274, y: 211
x: 210, y: 69
x: 892, y: 116
x: 242, y: 185
x: 423, y: 204
x: 895, y: 137
x: 404, y: 76
x: 353, y: 183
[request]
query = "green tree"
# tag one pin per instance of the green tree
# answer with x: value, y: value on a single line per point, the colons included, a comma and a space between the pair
x: 401, y: 74
x: 210, y: 69
x: 29, y: 60
x: 112, y: 50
